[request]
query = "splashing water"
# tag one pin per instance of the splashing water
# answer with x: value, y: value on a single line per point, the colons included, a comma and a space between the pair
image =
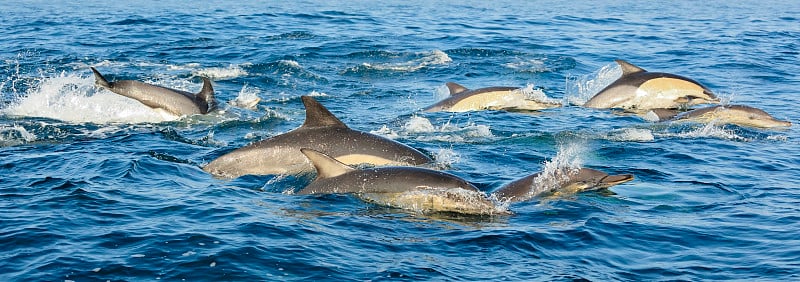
x: 536, y: 94
x: 15, y: 135
x: 567, y: 162
x: 247, y: 99
x: 446, y: 158
x: 580, y: 89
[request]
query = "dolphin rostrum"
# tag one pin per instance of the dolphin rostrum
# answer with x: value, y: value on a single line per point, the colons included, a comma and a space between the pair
x: 321, y: 131
x: 491, y: 98
x: 733, y: 114
x: 640, y: 90
x: 176, y: 102
x: 419, y: 189
x: 567, y: 181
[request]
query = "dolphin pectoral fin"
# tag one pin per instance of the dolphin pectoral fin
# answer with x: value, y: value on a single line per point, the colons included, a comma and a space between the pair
x: 455, y: 88
x: 206, y: 96
x: 628, y: 68
x: 100, y: 80
x: 612, y: 180
x: 326, y: 166
x: 319, y: 116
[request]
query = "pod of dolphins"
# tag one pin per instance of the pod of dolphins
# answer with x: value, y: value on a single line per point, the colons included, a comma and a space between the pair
x: 398, y: 175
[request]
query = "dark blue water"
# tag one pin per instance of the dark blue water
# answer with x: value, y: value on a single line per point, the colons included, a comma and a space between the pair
x: 97, y: 187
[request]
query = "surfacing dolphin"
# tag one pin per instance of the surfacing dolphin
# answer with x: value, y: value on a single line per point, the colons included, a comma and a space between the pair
x: 640, y: 90
x: 732, y: 114
x: 567, y: 181
x: 418, y: 189
x: 176, y: 102
x: 321, y: 131
x: 491, y: 98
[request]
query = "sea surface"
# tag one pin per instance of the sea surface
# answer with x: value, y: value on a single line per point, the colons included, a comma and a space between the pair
x: 98, y: 187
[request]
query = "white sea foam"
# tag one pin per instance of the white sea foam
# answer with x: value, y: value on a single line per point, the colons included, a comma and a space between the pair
x: 316, y: 94
x: 217, y: 73
x: 580, y: 89
x: 710, y: 130
x: 417, y: 124
x: 72, y: 98
x: 631, y: 134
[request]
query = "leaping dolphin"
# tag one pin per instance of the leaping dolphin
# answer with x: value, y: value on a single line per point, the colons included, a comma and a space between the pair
x: 491, y: 98
x: 414, y: 188
x: 321, y: 131
x: 566, y: 182
x: 640, y: 90
x: 176, y: 102
x: 733, y: 114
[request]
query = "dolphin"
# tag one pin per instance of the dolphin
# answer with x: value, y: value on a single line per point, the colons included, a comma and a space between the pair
x: 640, y: 90
x: 568, y: 181
x: 491, y: 98
x: 176, y: 102
x: 321, y: 131
x: 414, y: 188
x: 733, y: 114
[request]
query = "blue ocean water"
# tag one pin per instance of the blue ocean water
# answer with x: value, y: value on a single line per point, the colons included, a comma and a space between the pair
x: 98, y: 187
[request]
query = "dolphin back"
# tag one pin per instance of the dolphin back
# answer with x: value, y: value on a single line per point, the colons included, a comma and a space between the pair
x: 206, y: 97
x: 100, y: 80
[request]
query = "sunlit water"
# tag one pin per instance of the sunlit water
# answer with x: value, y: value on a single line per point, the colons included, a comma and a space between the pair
x: 98, y: 187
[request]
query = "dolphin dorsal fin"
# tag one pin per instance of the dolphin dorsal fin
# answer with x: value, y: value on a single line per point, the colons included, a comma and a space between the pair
x: 206, y: 95
x: 100, y: 80
x: 628, y: 68
x: 326, y: 166
x: 455, y: 88
x: 319, y: 116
